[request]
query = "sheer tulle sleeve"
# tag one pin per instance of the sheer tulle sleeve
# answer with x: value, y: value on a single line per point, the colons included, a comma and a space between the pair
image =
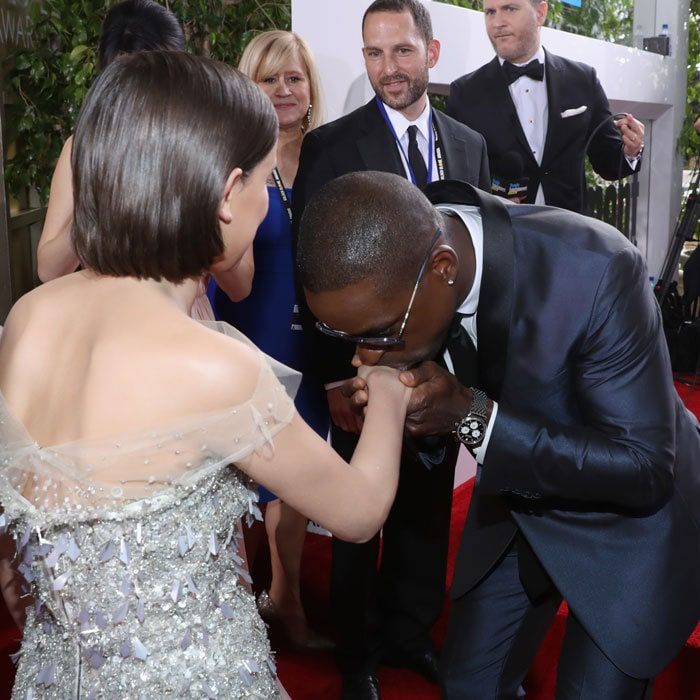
x: 87, y: 479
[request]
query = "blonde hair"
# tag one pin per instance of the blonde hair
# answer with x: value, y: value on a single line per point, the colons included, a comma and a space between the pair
x: 269, y: 52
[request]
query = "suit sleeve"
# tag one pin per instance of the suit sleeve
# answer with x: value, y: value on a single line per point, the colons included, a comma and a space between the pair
x: 621, y: 454
x: 606, y: 150
x: 453, y: 108
x: 330, y: 357
x: 454, y: 102
x: 484, y: 170
x: 315, y: 170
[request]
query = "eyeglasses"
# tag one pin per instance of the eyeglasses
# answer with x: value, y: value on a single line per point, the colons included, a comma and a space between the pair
x: 395, y: 342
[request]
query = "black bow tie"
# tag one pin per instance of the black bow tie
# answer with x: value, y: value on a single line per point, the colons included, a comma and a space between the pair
x: 534, y: 70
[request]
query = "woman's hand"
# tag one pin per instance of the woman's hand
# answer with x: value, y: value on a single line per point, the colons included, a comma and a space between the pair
x: 384, y: 379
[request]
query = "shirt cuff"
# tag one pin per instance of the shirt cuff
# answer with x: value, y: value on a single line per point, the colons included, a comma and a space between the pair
x: 480, y: 452
x: 334, y: 385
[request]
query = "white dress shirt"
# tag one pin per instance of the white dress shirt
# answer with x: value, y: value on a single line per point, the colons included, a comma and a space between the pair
x: 401, y: 124
x: 471, y: 218
x: 530, y: 100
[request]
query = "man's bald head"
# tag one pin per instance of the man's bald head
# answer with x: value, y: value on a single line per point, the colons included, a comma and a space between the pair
x: 365, y: 225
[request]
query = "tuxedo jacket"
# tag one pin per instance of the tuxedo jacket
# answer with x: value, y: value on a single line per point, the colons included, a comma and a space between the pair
x: 482, y: 101
x: 362, y: 141
x: 592, y: 458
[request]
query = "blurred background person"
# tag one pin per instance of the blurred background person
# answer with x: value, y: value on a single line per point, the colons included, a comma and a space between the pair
x: 281, y: 63
x: 541, y: 114
x: 129, y: 26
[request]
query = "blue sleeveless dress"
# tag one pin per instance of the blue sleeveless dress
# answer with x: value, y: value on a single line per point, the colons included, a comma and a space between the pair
x: 269, y: 315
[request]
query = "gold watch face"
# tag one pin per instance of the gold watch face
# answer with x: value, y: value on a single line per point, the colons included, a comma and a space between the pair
x: 471, y: 431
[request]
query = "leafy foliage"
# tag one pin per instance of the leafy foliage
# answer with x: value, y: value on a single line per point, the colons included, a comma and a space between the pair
x: 47, y: 84
x: 609, y: 20
x: 689, y: 141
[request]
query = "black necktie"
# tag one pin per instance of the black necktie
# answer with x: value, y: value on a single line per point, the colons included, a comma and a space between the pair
x: 534, y: 70
x: 415, y: 159
x: 462, y: 353
x: 459, y: 347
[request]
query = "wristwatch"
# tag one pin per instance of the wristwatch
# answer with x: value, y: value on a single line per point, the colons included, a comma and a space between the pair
x: 471, y: 429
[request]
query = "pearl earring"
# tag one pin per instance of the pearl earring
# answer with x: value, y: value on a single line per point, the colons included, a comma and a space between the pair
x: 450, y: 282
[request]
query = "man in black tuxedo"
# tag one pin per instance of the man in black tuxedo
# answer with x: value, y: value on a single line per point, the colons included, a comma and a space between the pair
x: 589, y: 478
x: 387, y: 615
x: 541, y: 114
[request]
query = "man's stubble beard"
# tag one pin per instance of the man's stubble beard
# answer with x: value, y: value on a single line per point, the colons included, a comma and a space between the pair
x: 523, y: 49
x: 416, y: 89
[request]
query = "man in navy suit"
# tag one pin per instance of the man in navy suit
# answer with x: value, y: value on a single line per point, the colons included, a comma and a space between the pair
x: 542, y: 114
x: 532, y: 335
x: 387, y: 615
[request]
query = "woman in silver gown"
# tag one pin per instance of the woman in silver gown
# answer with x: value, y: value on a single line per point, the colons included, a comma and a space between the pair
x: 131, y: 434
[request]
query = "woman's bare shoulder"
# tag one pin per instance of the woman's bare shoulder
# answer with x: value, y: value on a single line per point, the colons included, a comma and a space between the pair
x: 222, y: 370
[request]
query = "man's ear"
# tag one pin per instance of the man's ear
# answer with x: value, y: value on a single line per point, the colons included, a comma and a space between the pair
x: 233, y: 183
x: 541, y: 12
x: 445, y: 263
x: 433, y: 52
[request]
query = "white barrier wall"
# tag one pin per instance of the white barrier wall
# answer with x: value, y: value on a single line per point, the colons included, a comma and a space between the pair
x: 643, y: 83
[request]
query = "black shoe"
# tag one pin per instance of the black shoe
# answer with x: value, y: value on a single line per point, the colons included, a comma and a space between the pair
x: 360, y: 686
x: 423, y: 662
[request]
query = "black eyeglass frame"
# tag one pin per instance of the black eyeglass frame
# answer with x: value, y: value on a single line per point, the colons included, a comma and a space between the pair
x: 395, y: 342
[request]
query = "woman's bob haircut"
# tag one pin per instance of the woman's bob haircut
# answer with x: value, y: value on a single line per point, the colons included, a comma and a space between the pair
x: 157, y: 137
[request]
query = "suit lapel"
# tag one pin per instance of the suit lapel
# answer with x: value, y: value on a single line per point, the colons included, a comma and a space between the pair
x: 497, y: 280
x: 554, y: 77
x: 454, y: 149
x: 496, y: 295
x: 376, y: 143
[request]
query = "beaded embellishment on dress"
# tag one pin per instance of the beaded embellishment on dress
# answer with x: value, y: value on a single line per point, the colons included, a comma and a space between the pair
x: 131, y: 549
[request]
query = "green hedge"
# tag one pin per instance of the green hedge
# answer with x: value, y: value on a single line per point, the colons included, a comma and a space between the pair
x: 46, y: 84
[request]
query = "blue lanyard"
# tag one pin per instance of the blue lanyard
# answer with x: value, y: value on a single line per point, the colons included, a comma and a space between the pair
x: 431, y: 143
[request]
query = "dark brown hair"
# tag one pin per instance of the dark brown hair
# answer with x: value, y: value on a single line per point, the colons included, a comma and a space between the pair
x: 420, y: 14
x: 138, y: 25
x: 157, y: 136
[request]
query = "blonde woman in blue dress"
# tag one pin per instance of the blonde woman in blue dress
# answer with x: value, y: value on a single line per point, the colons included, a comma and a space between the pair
x: 130, y: 434
x: 282, y: 65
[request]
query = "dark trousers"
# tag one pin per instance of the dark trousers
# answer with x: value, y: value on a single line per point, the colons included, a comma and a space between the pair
x: 391, y: 609
x: 495, y: 631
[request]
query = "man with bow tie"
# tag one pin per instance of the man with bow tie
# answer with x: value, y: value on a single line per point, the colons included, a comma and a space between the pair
x: 589, y: 480
x: 542, y: 112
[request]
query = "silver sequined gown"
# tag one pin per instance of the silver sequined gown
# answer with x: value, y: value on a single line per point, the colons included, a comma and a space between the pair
x: 130, y: 546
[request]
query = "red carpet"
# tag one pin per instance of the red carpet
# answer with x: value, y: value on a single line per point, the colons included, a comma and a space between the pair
x: 314, y: 677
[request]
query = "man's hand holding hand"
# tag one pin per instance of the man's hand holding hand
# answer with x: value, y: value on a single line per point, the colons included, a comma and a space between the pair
x: 438, y: 400
x: 343, y: 406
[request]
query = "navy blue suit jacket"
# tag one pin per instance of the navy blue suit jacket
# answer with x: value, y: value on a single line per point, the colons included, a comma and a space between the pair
x: 482, y: 101
x: 593, y: 456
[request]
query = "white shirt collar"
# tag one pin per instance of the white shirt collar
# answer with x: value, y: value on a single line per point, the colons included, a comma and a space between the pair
x: 471, y: 218
x: 401, y: 124
x: 539, y: 55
